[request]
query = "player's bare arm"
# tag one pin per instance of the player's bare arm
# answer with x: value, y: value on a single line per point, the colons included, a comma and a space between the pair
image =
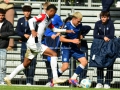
x: 63, y: 39
x: 34, y: 33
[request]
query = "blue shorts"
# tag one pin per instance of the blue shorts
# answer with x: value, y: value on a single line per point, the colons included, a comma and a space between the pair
x: 68, y: 53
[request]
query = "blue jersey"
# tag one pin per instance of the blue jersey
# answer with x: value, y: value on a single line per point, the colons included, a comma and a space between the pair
x: 57, y: 22
x: 71, y: 49
x: 70, y: 26
x: 77, y: 29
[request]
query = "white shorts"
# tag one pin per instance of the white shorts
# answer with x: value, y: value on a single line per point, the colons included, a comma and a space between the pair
x: 33, y: 49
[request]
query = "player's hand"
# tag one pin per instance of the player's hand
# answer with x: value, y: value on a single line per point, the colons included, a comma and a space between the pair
x: 6, y: 1
x: 106, y: 39
x: 58, y: 34
x: 26, y: 36
x: 53, y: 36
x: 76, y: 41
x: 34, y: 33
x: 70, y: 31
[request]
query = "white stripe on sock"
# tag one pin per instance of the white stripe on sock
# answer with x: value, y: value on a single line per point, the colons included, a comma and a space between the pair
x: 81, y: 66
x: 74, y: 76
x: 60, y: 70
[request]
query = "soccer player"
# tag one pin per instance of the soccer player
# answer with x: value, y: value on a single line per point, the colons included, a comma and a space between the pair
x: 51, y: 39
x: 71, y: 47
x: 34, y: 45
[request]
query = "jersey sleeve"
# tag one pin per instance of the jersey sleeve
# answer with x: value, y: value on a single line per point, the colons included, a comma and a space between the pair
x: 51, y: 26
x: 57, y: 22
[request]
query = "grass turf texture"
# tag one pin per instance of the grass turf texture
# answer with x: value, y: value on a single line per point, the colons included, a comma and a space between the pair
x: 45, y: 88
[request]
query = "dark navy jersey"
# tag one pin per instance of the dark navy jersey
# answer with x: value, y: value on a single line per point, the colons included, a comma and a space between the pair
x: 70, y: 26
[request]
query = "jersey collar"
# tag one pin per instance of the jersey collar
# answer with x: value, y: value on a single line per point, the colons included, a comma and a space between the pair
x: 72, y: 24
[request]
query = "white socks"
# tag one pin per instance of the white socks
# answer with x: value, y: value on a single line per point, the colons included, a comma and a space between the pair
x: 60, y: 71
x: 81, y: 66
x: 16, y: 71
x: 53, y: 64
x: 74, y: 76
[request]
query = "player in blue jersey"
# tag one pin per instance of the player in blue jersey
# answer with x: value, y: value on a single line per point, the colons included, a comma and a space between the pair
x: 71, y: 48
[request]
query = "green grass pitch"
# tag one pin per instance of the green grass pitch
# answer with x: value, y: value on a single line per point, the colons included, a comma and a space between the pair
x: 45, y: 88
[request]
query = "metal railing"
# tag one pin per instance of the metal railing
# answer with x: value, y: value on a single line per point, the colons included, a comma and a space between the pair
x: 59, y: 3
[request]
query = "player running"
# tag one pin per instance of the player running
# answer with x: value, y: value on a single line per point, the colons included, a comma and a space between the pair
x: 71, y: 47
x: 34, y: 45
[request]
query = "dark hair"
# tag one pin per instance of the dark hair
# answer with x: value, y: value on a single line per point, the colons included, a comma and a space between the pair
x: 27, y: 8
x: 68, y: 19
x: 2, y: 11
x: 105, y: 14
x: 51, y: 6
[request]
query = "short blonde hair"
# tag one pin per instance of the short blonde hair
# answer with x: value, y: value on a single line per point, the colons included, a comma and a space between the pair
x: 77, y: 15
x: 46, y: 4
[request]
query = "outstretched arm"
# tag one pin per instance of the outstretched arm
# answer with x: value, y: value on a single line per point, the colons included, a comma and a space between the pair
x: 59, y: 30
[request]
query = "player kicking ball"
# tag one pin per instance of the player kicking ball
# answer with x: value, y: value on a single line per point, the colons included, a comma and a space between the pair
x: 71, y: 48
x: 34, y: 45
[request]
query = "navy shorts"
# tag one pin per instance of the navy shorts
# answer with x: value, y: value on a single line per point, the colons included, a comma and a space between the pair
x: 68, y: 53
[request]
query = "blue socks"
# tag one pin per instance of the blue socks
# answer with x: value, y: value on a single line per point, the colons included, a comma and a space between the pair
x: 79, y: 69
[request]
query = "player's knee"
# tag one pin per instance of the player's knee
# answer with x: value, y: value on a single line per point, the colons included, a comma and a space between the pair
x: 84, y: 63
x: 54, y: 54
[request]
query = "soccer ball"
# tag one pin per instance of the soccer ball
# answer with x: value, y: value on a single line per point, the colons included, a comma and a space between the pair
x: 85, y: 83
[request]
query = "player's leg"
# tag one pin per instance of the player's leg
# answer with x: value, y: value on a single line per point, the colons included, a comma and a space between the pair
x: 16, y: 71
x: 80, y: 56
x: 53, y: 63
x: 81, y: 66
x: 65, y: 61
x: 27, y: 60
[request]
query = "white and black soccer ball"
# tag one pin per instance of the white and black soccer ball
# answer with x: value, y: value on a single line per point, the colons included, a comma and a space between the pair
x: 85, y: 83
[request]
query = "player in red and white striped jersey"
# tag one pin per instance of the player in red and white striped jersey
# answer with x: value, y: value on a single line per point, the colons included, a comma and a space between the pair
x: 34, y: 45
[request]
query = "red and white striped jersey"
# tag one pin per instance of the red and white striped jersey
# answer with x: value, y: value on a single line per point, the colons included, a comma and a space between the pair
x: 43, y: 22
